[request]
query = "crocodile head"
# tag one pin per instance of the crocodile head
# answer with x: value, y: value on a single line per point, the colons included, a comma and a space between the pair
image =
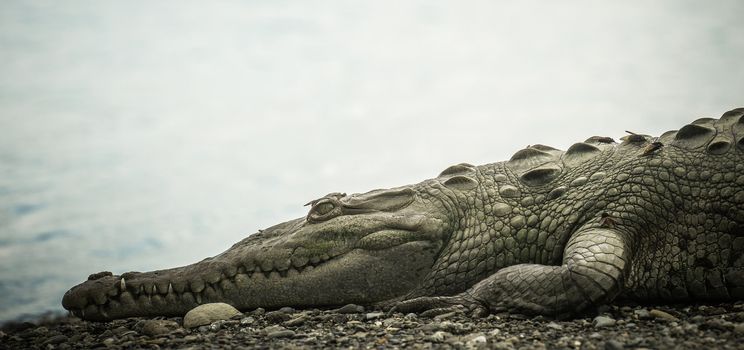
x: 361, y: 248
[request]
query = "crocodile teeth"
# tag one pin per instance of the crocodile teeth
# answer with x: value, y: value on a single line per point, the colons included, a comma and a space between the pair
x: 170, y: 288
x: 299, y: 261
x: 122, y: 285
x: 292, y: 273
x: 197, y: 285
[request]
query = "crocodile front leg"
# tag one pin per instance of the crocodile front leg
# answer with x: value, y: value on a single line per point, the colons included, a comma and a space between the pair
x: 596, y: 260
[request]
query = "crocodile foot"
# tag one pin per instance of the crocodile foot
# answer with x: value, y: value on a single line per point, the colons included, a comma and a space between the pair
x: 432, y: 306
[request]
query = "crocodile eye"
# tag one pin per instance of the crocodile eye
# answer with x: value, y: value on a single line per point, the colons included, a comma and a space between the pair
x: 323, y: 208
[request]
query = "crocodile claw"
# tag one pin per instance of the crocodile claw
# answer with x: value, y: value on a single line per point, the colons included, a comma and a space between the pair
x: 433, y: 306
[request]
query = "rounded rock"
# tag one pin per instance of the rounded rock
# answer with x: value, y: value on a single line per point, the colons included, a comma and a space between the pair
x: 208, y: 313
x: 350, y: 309
x: 603, y: 321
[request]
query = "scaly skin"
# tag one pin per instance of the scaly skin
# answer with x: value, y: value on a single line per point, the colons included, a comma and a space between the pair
x: 547, y: 232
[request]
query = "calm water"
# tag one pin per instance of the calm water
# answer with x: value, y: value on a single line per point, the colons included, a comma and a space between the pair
x: 137, y: 136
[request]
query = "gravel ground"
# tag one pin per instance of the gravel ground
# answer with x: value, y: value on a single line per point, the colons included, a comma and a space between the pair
x: 718, y: 326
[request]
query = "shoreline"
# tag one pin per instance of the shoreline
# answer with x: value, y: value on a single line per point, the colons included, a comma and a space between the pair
x: 621, y: 326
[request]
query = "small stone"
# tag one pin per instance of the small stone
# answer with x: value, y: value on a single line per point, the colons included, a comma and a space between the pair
x: 40, y: 330
x: 287, y: 310
x: 613, y: 345
x: 278, y: 332
x: 713, y: 310
x: 350, y: 309
x: 445, y: 316
x: 553, y: 325
x: 259, y: 311
x: 296, y: 321
x: 439, y: 336
x: 642, y: 314
x: 739, y: 329
x: 57, y: 339
x: 120, y: 330
x: 411, y: 316
x: 476, y: 340
x: 718, y: 324
x: 281, y: 334
x: 109, y: 341
x: 658, y: 314
x: 247, y: 320
x: 277, y: 317
x: 158, y: 327
x: 373, y: 315
x: 274, y: 328
x: 129, y: 334
x: 216, y: 326
x: 208, y: 313
x: 697, y: 319
x: 603, y: 321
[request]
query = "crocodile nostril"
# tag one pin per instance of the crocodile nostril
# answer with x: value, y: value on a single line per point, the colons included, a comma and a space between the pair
x: 99, y: 275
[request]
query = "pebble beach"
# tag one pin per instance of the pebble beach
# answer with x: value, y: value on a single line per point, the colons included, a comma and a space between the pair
x: 630, y: 326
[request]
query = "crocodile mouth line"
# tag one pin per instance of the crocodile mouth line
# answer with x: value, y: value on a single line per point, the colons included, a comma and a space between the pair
x: 185, y: 292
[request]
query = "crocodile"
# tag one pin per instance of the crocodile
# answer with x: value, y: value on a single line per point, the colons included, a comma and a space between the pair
x: 547, y: 232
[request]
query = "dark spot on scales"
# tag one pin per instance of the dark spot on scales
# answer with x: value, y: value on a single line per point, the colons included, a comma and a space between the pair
x: 719, y: 146
x: 461, y: 183
x: 557, y: 192
x: 581, y: 148
x: 690, y: 131
x: 693, y: 136
x: 528, y: 153
x: 540, y: 176
x: 580, y: 151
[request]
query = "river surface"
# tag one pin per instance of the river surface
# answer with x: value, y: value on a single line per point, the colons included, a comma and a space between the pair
x: 140, y: 135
